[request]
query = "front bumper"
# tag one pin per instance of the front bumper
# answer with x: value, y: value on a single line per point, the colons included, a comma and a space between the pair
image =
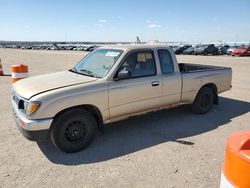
x: 239, y: 54
x: 30, y: 128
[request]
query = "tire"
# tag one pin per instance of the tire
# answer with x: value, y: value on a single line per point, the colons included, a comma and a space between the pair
x: 203, y: 101
x: 73, y: 130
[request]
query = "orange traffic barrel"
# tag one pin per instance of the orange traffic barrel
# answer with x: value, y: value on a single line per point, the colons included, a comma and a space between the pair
x: 1, y: 69
x: 236, y: 167
x: 19, y: 72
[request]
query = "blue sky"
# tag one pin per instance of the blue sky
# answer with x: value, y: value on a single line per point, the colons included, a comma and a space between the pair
x: 123, y: 20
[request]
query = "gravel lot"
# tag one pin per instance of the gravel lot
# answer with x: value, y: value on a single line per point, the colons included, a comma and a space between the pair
x: 168, y: 148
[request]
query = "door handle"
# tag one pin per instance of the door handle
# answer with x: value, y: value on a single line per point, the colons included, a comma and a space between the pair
x: 155, y: 83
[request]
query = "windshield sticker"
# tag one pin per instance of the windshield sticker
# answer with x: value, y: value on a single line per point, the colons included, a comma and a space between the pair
x: 112, y: 54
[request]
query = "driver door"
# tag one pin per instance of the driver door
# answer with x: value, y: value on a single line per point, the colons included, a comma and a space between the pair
x: 141, y: 91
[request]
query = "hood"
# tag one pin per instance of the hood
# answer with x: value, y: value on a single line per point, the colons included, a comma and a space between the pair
x: 231, y: 49
x: 240, y: 50
x: 34, y: 85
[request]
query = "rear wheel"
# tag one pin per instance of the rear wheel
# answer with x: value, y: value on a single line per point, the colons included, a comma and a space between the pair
x: 203, y: 101
x: 73, y: 130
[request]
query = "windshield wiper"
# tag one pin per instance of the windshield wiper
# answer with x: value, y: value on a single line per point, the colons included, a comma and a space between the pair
x: 84, y: 72
x: 73, y: 70
x: 89, y: 73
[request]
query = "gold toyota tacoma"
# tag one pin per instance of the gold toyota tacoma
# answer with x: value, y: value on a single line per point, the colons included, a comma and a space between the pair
x: 107, y: 85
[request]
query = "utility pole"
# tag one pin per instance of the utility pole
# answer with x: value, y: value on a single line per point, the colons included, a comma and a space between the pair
x: 138, y: 41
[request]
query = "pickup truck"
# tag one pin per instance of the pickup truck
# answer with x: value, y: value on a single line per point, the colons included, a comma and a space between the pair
x: 107, y: 85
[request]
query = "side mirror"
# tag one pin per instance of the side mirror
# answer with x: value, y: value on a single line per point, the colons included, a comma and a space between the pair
x: 123, y: 74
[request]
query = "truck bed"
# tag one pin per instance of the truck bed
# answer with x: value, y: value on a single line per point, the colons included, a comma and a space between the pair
x: 195, y: 76
x: 186, y: 67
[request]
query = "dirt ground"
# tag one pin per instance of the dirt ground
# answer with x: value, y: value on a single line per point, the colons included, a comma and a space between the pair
x: 169, y: 148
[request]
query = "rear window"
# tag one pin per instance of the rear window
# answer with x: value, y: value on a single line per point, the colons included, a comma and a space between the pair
x: 166, y: 61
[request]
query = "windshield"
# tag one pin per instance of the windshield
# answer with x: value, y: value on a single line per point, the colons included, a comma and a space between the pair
x: 233, y: 47
x: 98, y: 63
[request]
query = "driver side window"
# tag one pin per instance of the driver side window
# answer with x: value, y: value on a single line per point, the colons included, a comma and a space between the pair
x: 139, y: 64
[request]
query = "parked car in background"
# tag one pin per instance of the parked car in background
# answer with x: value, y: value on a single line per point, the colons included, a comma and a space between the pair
x: 189, y: 51
x: 90, y: 48
x: 26, y: 47
x: 174, y: 48
x: 222, y: 49
x: 69, y: 47
x: 79, y: 48
x: 231, y: 48
x: 241, y: 51
x: 181, y: 49
x: 198, y: 49
x: 206, y: 50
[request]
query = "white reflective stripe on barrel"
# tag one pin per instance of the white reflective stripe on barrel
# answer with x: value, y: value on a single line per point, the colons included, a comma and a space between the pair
x: 19, y: 75
x: 224, y: 183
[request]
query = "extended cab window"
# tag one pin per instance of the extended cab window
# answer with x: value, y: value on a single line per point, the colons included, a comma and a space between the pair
x: 140, y: 64
x: 166, y: 61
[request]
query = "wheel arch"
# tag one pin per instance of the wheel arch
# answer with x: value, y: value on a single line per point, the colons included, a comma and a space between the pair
x: 214, y: 89
x: 90, y: 108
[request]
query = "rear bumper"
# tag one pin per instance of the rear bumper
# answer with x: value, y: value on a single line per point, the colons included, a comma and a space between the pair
x: 31, y: 128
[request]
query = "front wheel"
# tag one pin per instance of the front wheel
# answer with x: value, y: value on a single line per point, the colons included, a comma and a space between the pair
x: 203, y: 101
x: 73, y: 130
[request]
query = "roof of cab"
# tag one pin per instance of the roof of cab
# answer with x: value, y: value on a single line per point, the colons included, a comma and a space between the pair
x: 133, y: 47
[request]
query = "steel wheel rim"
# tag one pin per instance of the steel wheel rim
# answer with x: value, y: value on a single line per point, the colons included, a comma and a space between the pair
x: 75, y: 131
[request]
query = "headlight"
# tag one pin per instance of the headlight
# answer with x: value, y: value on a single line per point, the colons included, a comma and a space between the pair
x: 31, y: 107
